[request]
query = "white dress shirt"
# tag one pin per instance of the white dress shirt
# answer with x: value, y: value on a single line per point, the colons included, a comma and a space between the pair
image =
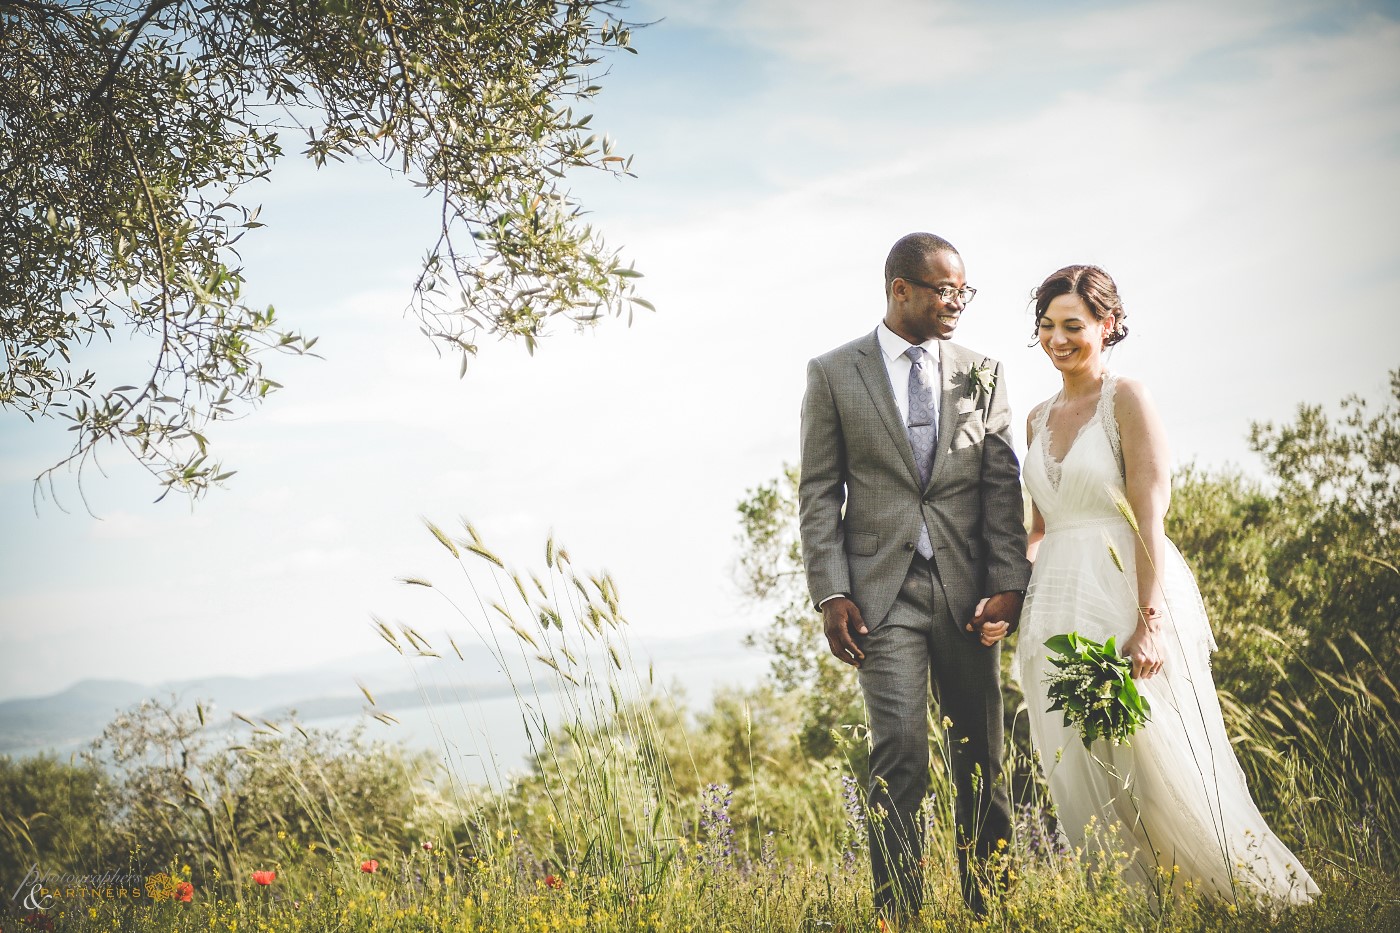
x: 897, y: 365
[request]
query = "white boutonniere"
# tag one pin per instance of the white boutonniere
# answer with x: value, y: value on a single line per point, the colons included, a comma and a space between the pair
x: 980, y: 378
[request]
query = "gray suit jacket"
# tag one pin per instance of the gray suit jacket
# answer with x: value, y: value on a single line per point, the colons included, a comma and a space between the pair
x: 859, y: 496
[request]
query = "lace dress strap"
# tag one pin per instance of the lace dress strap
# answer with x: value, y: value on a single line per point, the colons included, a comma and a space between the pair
x: 1109, y: 420
x: 1042, y: 418
x: 1039, y: 435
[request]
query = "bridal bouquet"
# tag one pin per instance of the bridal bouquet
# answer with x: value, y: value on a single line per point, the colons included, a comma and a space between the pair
x: 1094, y: 687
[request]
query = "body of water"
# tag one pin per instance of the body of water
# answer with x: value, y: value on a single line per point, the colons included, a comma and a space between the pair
x: 487, y: 739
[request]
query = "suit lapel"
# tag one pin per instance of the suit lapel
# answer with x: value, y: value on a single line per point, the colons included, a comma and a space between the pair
x: 872, y: 370
x: 953, y: 365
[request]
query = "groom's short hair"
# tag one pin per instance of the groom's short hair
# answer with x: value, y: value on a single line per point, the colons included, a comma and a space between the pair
x: 910, y: 252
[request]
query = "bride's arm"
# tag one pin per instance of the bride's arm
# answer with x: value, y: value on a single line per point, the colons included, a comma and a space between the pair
x: 1037, y: 520
x: 1147, y: 475
x: 1037, y: 532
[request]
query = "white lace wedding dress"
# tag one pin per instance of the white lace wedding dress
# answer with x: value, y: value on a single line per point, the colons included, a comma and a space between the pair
x: 1173, y: 803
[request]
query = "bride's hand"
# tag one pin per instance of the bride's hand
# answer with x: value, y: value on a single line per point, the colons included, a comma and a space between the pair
x: 1144, y: 651
x: 992, y: 632
x: 993, y: 627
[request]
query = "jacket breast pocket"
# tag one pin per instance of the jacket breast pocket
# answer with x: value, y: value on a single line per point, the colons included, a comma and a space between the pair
x: 970, y: 430
x: 862, y: 543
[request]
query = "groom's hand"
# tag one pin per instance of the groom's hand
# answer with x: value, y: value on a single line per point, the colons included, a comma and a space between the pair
x: 840, y: 617
x: 996, y: 617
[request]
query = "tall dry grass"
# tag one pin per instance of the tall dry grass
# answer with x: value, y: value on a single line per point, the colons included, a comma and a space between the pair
x: 635, y: 814
x: 1324, y: 757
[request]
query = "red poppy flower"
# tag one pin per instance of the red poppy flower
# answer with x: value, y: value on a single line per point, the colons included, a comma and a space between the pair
x: 369, y: 866
x: 553, y: 881
x: 184, y: 891
x: 264, y: 878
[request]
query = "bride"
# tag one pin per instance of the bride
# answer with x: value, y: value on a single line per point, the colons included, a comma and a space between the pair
x: 1173, y: 802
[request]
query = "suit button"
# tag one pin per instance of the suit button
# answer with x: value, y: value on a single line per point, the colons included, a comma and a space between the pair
x: 908, y: 545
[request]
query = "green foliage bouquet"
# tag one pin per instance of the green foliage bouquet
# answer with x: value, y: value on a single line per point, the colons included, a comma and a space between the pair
x: 1094, y: 687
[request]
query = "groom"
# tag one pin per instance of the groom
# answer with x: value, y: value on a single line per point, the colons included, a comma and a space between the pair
x: 911, y: 513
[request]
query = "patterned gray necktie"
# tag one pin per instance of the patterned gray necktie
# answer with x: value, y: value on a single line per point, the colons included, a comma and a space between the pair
x: 921, y: 426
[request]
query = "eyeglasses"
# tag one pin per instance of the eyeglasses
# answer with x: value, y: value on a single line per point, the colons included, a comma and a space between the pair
x: 945, y: 292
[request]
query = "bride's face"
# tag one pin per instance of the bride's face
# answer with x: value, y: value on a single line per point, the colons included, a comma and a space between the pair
x: 1070, y: 335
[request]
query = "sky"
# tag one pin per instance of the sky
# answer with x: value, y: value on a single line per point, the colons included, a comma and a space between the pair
x: 1235, y: 167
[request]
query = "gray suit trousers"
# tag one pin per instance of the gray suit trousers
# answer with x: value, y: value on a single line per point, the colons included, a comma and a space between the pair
x: 918, y: 642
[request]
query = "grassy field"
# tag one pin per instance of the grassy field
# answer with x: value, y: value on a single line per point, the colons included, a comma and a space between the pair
x: 635, y: 814
x: 415, y: 893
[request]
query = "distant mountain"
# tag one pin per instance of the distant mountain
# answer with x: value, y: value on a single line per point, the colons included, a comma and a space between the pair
x: 68, y: 719
x: 67, y: 722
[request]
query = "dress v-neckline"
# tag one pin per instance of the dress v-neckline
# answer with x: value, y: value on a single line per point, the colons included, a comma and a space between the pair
x: 1047, y: 433
x: 1054, y: 467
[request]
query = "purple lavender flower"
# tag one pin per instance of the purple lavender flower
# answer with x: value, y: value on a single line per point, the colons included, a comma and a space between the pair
x: 1035, y: 828
x: 854, y: 832
x: 716, y: 829
x: 850, y: 799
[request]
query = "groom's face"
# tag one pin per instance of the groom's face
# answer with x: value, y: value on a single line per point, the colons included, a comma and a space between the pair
x: 917, y: 312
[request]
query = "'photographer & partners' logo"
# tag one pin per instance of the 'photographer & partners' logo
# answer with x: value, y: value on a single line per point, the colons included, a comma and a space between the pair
x: 42, y: 890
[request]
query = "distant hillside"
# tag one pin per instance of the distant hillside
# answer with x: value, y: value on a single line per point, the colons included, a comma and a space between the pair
x: 67, y: 722
x: 65, y: 719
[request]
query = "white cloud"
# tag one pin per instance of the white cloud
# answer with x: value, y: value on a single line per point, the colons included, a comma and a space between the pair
x: 1208, y: 203
x: 916, y: 43
x: 124, y: 525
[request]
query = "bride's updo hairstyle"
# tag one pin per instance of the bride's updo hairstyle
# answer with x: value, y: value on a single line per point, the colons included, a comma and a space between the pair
x: 1094, y: 287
